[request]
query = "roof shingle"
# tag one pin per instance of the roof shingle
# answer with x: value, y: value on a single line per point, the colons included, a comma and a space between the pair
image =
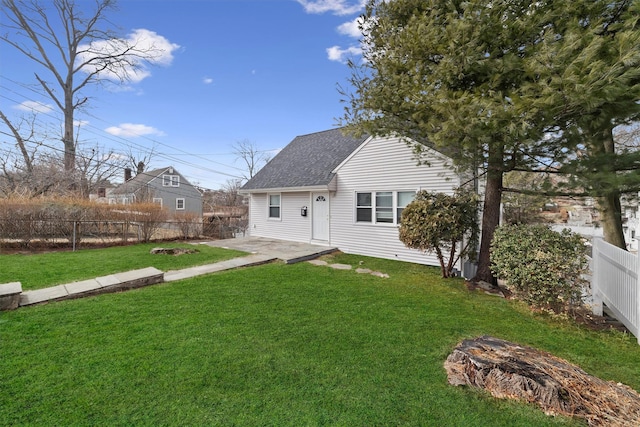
x: 307, y: 161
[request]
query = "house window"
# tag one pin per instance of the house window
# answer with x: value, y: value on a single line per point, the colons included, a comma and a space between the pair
x: 157, y: 201
x: 171, y: 180
x: 179, y: 204
x: 363, y: 207
x: 387, y: 206
x: 274, y: 206
x: 384, y: 207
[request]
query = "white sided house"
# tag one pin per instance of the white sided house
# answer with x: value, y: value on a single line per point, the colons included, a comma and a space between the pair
x: 331, y: 189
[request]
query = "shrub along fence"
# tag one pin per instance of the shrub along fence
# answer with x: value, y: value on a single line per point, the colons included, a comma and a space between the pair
x: 616, y: 283
x: 42, y: 232
x: 61, y: 222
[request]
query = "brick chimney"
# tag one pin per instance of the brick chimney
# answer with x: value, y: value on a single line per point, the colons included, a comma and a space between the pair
x: 127, y: 174
x: 140, y: 168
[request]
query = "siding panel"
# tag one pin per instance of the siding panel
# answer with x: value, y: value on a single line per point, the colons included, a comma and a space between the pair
x: 383, y: 164
x: 291, y: 225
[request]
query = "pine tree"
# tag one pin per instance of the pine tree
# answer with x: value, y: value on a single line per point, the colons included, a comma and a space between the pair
x: 589, y: 66
x: 502, y: 86
x: 450, y: 74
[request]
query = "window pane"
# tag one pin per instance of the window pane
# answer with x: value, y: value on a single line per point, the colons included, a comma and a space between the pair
x: 274, y: 200
x: 384, y: 199
x: 363, y: 199
x: 384, y: 207
x: 274, y: 212
x: 363, y: 214
x: 384, y: 215
x: 405, y: 197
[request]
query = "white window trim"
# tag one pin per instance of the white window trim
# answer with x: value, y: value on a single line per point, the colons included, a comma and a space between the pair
x: 394, y: 195
x: 170, y: 180
x: 269, y: 206
x: 184, y: 204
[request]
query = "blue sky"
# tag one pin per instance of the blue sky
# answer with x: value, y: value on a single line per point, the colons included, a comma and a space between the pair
x: 262, y: 71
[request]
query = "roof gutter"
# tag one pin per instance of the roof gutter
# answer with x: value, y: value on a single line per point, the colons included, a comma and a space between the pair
x: 286, y: 189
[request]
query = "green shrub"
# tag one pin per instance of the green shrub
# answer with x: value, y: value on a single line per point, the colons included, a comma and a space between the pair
x: 540, y: 266
x: 438, y: 222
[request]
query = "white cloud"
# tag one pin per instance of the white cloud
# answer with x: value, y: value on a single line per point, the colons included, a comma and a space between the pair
x: 336, y: 53
x: 337, y: 7
x: 150, y: 48
x: 80, y: 123
x: 34, y: 107
x: 133, y: 130
x: 351, y: 28
x: 207, y: 80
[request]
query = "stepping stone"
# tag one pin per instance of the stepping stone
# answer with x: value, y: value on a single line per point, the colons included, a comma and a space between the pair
x: 340, y: 266
x: 363, y: 270
x: 318, y: 262
x: 378, y: 274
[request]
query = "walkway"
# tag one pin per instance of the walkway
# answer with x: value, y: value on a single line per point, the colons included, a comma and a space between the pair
x: 262, y: 251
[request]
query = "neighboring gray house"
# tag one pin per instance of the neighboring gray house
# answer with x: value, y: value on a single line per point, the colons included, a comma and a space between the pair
x: 331, y: 189
x: 164, y: 186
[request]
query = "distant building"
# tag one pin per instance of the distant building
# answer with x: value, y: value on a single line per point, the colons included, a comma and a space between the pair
x: 164, y: 186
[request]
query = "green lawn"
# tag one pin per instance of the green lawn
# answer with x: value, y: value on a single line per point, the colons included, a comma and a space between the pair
x: 279, y: 345
x: 54, y: 268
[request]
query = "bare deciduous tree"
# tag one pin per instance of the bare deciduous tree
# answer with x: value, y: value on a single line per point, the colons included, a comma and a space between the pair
x: 231, y: 195
x: 45, y: 176
x: 140, y: 161
x: 253, y: 158
x: 96, y: 167
x: 73, y: 49
x: 22, y: 138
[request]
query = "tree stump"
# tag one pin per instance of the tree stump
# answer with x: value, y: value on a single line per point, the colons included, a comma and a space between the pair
x: 508, y: 370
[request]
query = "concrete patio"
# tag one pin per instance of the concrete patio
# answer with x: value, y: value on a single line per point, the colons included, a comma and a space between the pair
x: 289, y: 252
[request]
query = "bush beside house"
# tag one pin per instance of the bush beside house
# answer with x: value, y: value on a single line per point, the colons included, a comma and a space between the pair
x: 542, y: 267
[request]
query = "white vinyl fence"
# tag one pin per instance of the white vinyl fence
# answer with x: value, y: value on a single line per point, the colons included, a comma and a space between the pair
x: 616, y: 283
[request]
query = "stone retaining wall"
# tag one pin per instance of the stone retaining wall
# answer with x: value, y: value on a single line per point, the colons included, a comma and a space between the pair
x: 12, y: 296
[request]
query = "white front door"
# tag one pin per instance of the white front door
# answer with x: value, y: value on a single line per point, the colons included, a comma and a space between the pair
x: 320, y: 216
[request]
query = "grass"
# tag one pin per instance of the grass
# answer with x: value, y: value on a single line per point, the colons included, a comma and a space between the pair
x: 279, y: 345
x: 36, y: 271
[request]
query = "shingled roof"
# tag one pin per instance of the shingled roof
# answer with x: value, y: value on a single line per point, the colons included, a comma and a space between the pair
x: 308, y: 161
x: 139, y: 181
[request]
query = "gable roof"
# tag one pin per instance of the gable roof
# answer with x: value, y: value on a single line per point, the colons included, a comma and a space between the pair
x: 308, y: 161
x: 142, y: 179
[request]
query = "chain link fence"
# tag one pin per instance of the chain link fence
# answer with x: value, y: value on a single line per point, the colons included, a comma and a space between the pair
x: 43, y: 233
